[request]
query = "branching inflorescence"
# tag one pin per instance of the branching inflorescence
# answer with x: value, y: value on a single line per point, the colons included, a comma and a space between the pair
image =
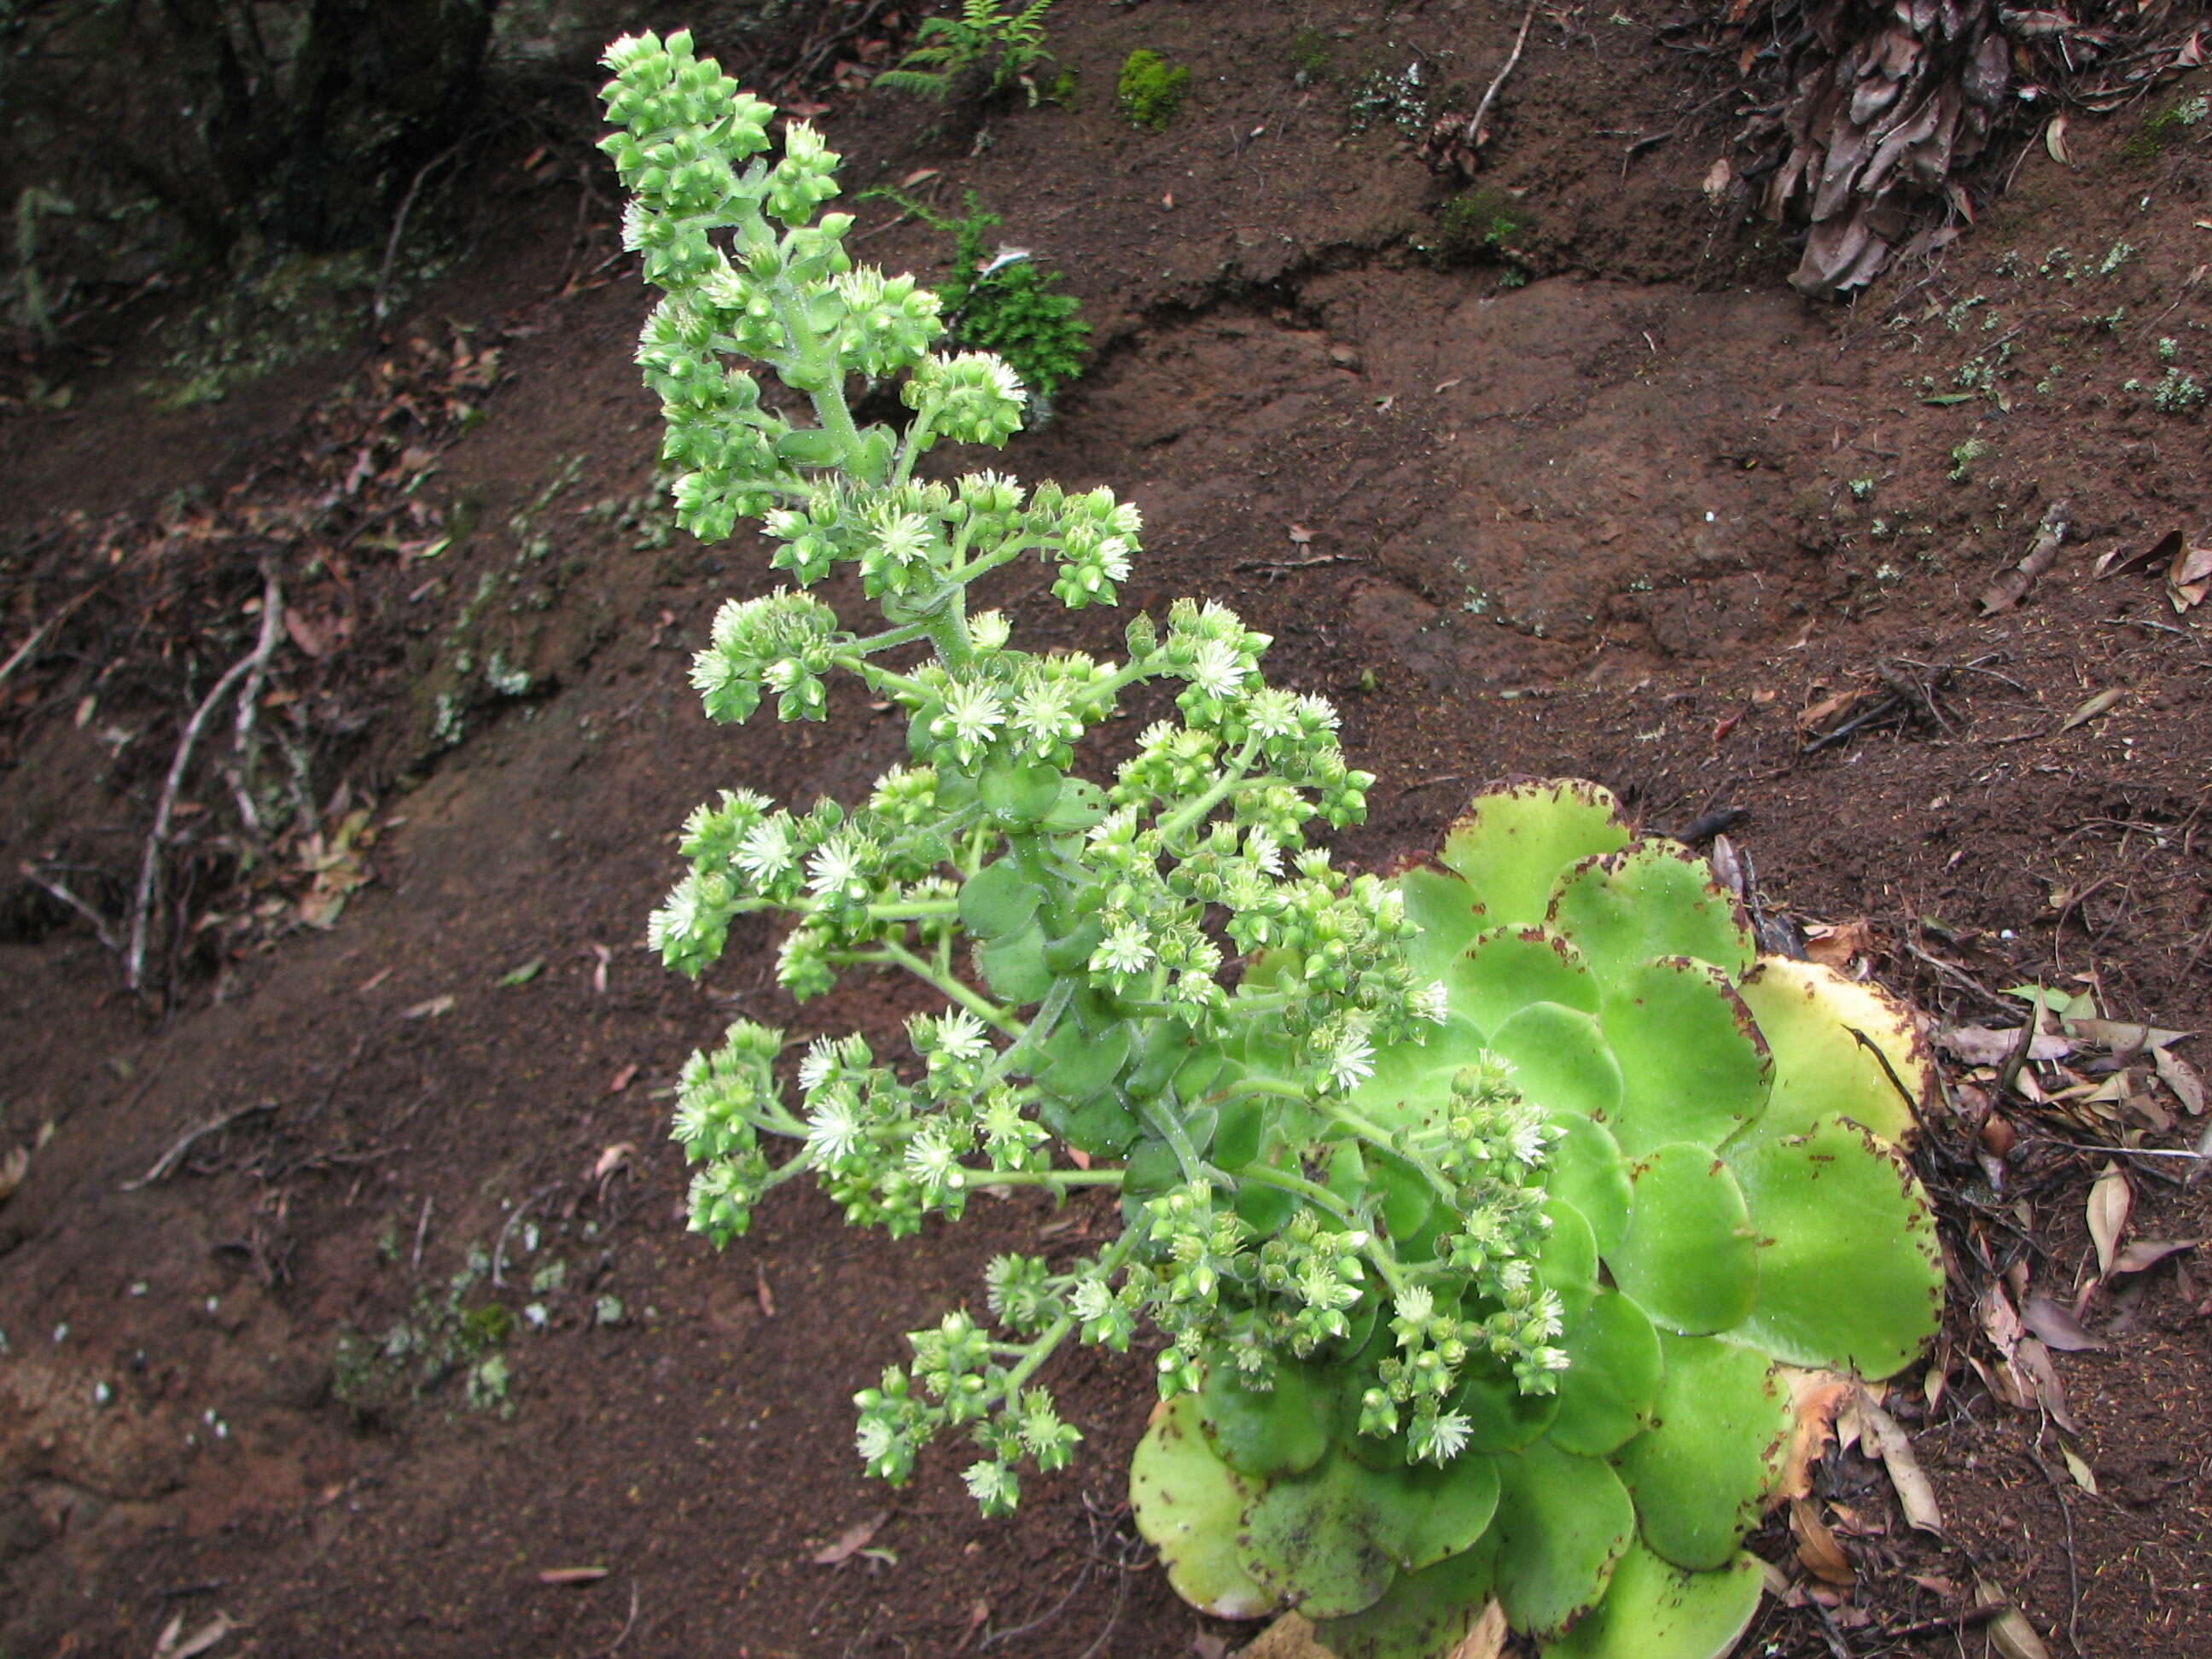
x: 1155, y: 972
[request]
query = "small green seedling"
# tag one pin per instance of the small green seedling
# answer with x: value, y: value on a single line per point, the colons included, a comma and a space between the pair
x: 1001, y: 49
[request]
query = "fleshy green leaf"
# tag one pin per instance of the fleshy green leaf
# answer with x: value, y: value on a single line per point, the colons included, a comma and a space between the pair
x: 997, y: 899
x: 1687, y: 1258
x: 1516, y: 841
x: 1713, y: 1450
x: 1014, y: 969
x: 1693, y: 1063
x: 1423, y: 1613
x: 1317, y: 1540
x: 1586, y: 1167
x: 1190, y: 1506
x: 1266, y: 1433
x: 1612, y: 1380
x: 1560, y: 1060
x: 1849, y: 1272
x: 1656, y: 899
x: 1563, y: 1521
x: 1654, y: 1610
x: 1505, y: 970
x: 1441, y: 907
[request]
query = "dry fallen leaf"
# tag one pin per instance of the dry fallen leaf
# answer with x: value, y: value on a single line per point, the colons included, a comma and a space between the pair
x: 1817, y: 1548
x: 612, y: 1159
x: 2181, y: 1076
x: 1833, y: 946
x: 2012, y: 583
x: 2110, y: 1200
x: 1487, y: 1639
x: 764, y: 1296
x: 2033, y: 1359
x: 2103, y: 704
x: 2010, y: 1633
x: 624, y: 1079
x: 1718, y: 177
x: 2189, y: 578
x: 1984, y: 1045
x: 2127, y: 557
x: 2140, y: 1254
x: 2084, y: 1476
x: 168, y: 1646
x: 429, y: 1009
x: 851, y: 1541
x: 1816, y: 1398
x: 2057, y: 1327
x: 1914, y: 1493
x: 572, y: 1575
x: 2054, y: 140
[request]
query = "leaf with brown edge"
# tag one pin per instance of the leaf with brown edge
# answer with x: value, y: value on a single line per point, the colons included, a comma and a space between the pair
x: 1815, y: 1398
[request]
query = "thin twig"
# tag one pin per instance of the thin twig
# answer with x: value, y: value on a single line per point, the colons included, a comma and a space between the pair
x: 30, y: 872
x: 398, y: 225
x: 421, y: 1232
x: 1949, y: 1621
x: 626, y: 1623
x: 142, y: 908
x: 249, y: 697
x: 164, y: 1164
x: 1297, y: 564
x: 1478, y: 129
x: 22, y: 653
x: 1043, y: 1619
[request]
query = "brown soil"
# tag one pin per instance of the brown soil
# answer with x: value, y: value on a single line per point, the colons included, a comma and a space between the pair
x: 1624, y: 522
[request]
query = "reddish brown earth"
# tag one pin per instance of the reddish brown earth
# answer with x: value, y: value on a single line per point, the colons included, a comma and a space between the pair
x: 1601, y: 525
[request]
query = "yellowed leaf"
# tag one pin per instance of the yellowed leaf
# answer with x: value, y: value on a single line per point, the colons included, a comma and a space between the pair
x: 2054, y: 140
x: 2103, y: 704
x: 2010, y: 1633
x: 2084, y: 1476
x: 13, y: 1167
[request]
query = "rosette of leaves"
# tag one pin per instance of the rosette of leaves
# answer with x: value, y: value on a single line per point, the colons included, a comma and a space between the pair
x: 1726, y: 1202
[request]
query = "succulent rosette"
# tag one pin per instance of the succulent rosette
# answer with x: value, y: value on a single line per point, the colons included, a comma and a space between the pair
x: 1717, y: 1138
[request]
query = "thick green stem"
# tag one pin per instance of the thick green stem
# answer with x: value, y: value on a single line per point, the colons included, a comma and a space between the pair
x: 989, y: 1012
